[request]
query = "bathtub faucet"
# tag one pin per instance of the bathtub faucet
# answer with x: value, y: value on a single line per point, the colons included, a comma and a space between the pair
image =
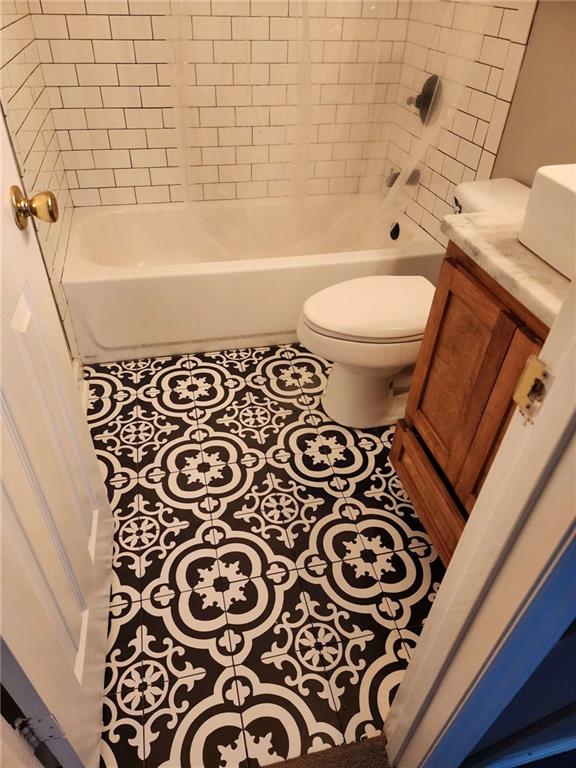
x: 413, y: 179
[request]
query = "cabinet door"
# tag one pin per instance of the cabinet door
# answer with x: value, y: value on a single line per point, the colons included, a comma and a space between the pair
x: 466, y: 340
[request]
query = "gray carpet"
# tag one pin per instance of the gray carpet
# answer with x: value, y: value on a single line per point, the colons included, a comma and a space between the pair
x: 366, y: 754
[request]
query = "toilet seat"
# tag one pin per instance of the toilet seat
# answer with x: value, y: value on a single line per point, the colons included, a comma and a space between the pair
x: 378, y: 309
x: 356, y: 339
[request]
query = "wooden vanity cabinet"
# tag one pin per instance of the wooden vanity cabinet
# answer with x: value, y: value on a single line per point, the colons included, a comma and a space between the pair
x: 476, y: 342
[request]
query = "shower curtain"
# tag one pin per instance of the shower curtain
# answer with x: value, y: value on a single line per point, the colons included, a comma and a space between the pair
x: 392, y: 135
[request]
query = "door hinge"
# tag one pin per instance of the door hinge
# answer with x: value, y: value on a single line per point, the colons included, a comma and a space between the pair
x: 532, y: 388
x: 38, y: 730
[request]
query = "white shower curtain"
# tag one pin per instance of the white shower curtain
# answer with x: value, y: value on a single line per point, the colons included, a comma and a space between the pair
x: 394, y: 139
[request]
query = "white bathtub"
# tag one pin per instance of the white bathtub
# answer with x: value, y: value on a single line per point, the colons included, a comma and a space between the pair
x: 164, y: 279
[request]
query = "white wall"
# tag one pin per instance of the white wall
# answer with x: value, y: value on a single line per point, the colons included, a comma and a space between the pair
x: 541, y: 126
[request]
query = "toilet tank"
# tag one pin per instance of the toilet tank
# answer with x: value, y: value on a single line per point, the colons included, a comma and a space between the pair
x: 491, y: 196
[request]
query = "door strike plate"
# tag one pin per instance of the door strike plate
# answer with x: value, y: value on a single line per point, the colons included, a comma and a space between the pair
x: 531, y: 388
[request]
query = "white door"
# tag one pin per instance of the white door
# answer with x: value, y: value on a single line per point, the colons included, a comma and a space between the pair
x: 56, y: 521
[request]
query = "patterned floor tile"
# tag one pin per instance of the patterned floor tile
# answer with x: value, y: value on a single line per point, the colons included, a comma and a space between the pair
x: 287, y: 709
x: 133, y: 534
x: 144, y: 539
x: 353, y: 456
x: 265, y: 615
x: 214, y: 387
x: 122, y: 741
x: 327, y: 425
x: 304, y: 460
x: 382, y: 490
x: 334, y: 622
x: 382, y: 531
x: 146, y: 530
x: 335, y: 537
x: 120, y: 433
x: 194, y: 621
x: 174, y: 720
x: 180, y: 651
x: 123, y: 642
x: 271, y: 577
x: 310, y: 371
x: 125, y: 505
x: 239, y: 362
x: 197, y: 724
x: 118, y: 479
x: 162, y: 374
x: 103, y: 384
x: 364, y: 678
x: 122, y: 594
x: 126, y: 559
x: 224, y: 480
x: 137, y: 432
x: 101, y: 410
x: 281, y: 513
x: 350, y: 585
x: 109, y: 379
x: 177, y: 401
x: 276, y: 376
x: 180, y: 560
x: 177, y: 471
x: 245, y: 556
x: 410, y: 579
x: 150, y: 502
x: 254, y: 417
x: 316, y: 454
x: 410, y: 638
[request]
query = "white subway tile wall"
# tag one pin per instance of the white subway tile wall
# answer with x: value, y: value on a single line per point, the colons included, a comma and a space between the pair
x: 108, y: 81
x: 112, y: 88
x: 466, y: 149
x: 26, y: 104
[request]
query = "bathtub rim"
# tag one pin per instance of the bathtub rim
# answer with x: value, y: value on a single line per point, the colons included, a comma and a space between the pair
x: 80, y: 269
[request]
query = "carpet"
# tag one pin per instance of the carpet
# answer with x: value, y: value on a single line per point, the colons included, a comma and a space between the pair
x: 366, y: 754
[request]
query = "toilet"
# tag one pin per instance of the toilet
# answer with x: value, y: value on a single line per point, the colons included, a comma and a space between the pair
x: 371, y: 328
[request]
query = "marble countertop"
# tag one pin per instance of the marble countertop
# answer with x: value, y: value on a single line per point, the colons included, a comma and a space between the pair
x: 491, y: 240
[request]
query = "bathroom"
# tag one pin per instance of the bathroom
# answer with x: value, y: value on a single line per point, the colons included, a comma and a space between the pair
x: 287, y: 383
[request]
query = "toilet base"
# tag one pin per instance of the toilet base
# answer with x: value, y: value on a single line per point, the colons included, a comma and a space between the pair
x: 355, y: 399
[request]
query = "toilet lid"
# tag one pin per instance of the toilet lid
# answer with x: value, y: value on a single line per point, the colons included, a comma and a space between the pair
x: 372, y: 308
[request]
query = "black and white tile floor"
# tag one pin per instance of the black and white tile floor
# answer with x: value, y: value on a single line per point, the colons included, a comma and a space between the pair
x: 270, y: 575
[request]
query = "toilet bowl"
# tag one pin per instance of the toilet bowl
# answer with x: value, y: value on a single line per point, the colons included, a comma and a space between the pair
x: 371, y: 328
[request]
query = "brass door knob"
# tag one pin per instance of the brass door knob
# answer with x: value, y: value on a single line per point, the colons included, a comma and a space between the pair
x: 43, y: 205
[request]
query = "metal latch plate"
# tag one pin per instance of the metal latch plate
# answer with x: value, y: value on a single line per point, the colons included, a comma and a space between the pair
x: 531, y: 387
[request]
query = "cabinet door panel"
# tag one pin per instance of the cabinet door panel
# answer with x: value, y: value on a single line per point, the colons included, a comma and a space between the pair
x: 495, y: 418
x: 466, y: 340
x: 430, y: 497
